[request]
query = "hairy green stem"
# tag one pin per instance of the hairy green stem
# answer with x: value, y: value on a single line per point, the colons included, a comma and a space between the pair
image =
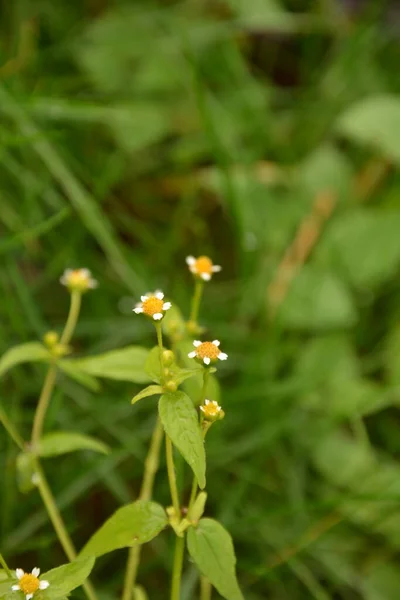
x: 146, y: 491
x: 12, y: 432
x: 206, y: 378
x: 72, y: 319
x: 172, y: 476
x: 160, y: 347
x: 198, y: 291
x: 177, y: 569
x: 58, y: 524
x: 5, y: 567
x: 43, y: 404
x: 205, y: 589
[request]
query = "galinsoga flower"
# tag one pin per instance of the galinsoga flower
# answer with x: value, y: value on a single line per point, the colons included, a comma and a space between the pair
x: 152, y: 305
x: 212, y: 410
x: 29, y: 583
x: 202, y: 267
x: 207, y: 352
x: 78, y: 280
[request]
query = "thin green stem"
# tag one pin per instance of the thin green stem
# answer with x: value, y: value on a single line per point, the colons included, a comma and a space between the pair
x: 192, y: 494
x: 206, y: 378
x: 160, y: 346
x: 146, y: 491
x: 12, y: 432
x: 198, y: 291
x: 177, y: 569
x: 5, y: 567
x: 205, y: 589
x: 172, y: 476
x: 58, y: 524
x: 43, y: 404
x: 72, y: 319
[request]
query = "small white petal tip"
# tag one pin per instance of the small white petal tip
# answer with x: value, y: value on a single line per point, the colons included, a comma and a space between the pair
x: 159, y: 295
x: 216, y: 342
x: 206, y: 360
x: 222, y: 356
x: 216, y: 268
x: 192, y: 354
x: 43, y: 585
x: 206, y: 276
x: 158, y: 316
x: 167, y: 305
x: 138, y: 310
x: 36, y: 572
x: 196, y: 343
x: 143, y: 298
x: 15, y: 588
x: 19, y: 573
x: 190, y: 260
x: 29, y: 596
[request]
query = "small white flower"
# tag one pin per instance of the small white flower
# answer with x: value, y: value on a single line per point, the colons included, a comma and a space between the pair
x: 202, y: 267
x: 80, y: 280
x: 207, y: 352
x: 152, y: 305
x: 212, y: 410
x: 29, y: 583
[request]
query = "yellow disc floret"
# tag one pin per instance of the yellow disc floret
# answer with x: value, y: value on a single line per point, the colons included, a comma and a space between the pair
x: 204, y: 265
x: 29, y: 584
x: 208, y: 350
x: 152, y: 306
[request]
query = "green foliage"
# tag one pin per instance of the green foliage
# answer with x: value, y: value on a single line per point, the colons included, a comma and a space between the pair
x: 70, y: 368
x: 150, y: 390
x: 24, y: 353
x: 135, y: 523
x: 67, y: 578
x: 62, y: 442
x: 25, y: 472
x: 126, y: 364
x: 211, y: 548
x: 180, y: 421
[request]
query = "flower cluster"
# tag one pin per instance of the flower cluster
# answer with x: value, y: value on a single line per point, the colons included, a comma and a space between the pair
x: 202, y: 267
x: 78, y: 280
x: 29, y: 583
x: 212, y: 410
x: 207, y: 352
x: 152, y: 305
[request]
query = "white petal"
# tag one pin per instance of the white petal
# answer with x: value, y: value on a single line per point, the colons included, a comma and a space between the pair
x: 216, y: 268
x: 19, y: 573
x: 138, y: 310
x: 29, y: 596
x: 206, y: 276
x: 216, y: 342
x: 85, y: 272
x: 63, y: 280
x: 36, y: 571
x: 190, y: 260
x: 196, y: 343
x: 206, y: 360
x: 143, y: 298
x: 43, y: 584
x: 159, y: 294
x: 222, y: 356
x: 218, y: 408
x: 15, y: 588
x: 167, y: 305
x: 93, y: 284
x: 158, y: 316
x: 193, y: 268
x: 202, y: 408
x: 206, y: 402
x: 192, y: 354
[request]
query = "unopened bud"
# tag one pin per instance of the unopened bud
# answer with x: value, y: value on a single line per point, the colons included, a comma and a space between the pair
x: 168, y: 358
x: 171, y: 386
x: 50, y: 338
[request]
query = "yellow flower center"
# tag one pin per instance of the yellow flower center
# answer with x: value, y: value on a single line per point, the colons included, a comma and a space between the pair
x: 152, y: 305
x: 208, y: 350
x: 28, y: 583
x: 204, y: 265
x: 211, y: 409
x: 77, y: 277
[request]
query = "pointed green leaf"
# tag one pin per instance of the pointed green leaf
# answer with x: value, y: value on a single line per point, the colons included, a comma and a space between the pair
x: 153, y: 365
x: 211, y: 548
x: 66, y: 578
x: 150, y: 390
x: 138, y: 523
x: 181, y: 423
x: 62, y: 442
x: 29, y: 352
x: 72, y: 370
x: 126, y: 364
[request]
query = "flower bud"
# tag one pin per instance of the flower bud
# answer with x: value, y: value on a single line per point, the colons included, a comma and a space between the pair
x: 50, y: 339
x: 171, y: 386
x: 168, y: 358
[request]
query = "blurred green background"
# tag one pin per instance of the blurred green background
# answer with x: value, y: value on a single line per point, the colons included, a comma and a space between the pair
x: 266, y: 135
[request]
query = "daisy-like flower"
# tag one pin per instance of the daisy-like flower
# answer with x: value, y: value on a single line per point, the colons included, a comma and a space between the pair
x: 29, y: 583
x: 79, y: 280
x: 212, y: 410
x: 152, y: 305
x: 202, y: 267
x: 207, y: 352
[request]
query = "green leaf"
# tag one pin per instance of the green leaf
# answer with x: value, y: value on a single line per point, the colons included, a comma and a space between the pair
x: 62, y: 442
x: 375, y: 122
x: 139, y: 593
x: 126, y: 364
x: 181, y: 423
x: 150, y: 390
x: 317, y: 300
x: 72, y: 370
x: 29, y: 352
x: 153, y: 365
x: 66, y: 578
x: 137, y: 523
x: 173, y: 323
x: 211, y: 548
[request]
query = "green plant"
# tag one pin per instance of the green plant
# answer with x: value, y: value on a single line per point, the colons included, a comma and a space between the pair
x: 184, y: 419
